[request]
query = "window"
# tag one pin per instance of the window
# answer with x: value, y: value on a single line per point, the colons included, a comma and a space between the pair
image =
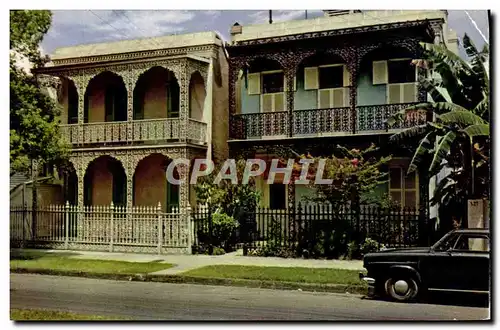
x: 277, y: 196
x: 472, y: 243
x: 331, y: 77
x: 401, y: 71
x: 402, y: 187
x: 272, y: 82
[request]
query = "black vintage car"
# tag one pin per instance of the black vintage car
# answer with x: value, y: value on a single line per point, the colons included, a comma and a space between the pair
x: 460, y: 261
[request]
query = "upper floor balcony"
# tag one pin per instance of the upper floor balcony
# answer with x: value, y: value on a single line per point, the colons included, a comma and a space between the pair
x: 155, y: 109
x: 316, y: 98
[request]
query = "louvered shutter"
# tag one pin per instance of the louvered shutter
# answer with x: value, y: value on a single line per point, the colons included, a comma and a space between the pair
x: 409, y: 93
x: 380, y: 75
x: 267, y: 102
x: 254, y: 83
x: 324, y: 99
x: 311, y: 78
x: 338, y: 98
x: 279, y: 102
x: 347, y: 77
x: 393, y: 93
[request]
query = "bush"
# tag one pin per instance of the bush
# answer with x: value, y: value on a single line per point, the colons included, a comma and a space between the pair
x: 223, y: 228
x: 357, y: 251
x: 204, y: 249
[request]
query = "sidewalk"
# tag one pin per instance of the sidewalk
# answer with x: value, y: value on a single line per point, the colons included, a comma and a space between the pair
x: 189, y: 262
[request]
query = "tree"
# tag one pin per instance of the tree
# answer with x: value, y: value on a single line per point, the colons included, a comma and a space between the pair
x: 34, y: 122
x: 456, y: 140
x: 355, y: 175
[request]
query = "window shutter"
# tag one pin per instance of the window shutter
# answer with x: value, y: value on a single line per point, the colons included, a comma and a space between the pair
x: 338, y: 97
x: 254, y: 83
x: 380, y: 75
x: 279, y: 102
x: 324, y: 99
x: 347, y: 97
x: 347, y: 76
x: 267, y: 102
x: 394, y: 93
x: 409, y: 93
x: 311, y: 78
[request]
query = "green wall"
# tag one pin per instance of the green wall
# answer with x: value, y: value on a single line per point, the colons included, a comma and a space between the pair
x: 367, y: 94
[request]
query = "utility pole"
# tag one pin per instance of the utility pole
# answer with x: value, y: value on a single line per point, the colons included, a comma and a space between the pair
x: 306, y: 14
x: 270, y: 17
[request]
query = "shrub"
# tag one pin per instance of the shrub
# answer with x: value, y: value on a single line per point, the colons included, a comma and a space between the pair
x: 357, y: 251
x: 223, y: 228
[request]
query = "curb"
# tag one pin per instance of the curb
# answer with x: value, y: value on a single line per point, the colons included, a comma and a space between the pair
x: 179, y: 279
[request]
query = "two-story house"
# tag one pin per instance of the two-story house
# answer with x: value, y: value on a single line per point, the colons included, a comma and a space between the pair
x: 130, y: 107
x: 304, y: 86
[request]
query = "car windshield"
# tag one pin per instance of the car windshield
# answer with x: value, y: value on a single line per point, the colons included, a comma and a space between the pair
x: 445, y: 243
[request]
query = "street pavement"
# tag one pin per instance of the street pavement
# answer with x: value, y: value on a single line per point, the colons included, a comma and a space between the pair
x: 165, y: 301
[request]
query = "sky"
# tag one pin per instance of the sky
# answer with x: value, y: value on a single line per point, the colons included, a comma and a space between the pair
x: 73, y: 27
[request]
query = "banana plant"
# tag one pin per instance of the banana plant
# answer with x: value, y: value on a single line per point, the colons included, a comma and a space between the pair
x: 459, y: 105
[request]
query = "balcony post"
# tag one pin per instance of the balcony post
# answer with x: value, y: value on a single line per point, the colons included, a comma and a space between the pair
x: 353, y: 64
x: 289, y: 75
x: 130, y: 81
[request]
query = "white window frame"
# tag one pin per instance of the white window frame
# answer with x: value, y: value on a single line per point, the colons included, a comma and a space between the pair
x: 262, y: 73
x: 345, y: 89
x: 399, y: 84
x: 402, y: 190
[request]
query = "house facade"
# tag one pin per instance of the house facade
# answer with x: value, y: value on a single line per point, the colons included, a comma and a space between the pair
x: 131, y: 107
x: 305, y: 86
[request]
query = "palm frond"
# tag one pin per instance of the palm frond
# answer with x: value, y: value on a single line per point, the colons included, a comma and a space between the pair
x: 461, y: 117
x: 477, y: 130
x: 425, y: 145
x: 433, y: 91
x: 409, y: 134
x: 442, y: 150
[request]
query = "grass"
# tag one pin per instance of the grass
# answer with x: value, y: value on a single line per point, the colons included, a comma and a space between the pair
x: 281, y: 274
x: 64, y: 262
x: 46, y: 315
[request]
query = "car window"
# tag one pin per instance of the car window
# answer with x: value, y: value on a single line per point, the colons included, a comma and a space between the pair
x: 472, y: 243
x: 446, y: 243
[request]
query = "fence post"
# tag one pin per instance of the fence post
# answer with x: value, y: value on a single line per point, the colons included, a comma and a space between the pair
x: 66, y: 226
x: 160, y: 227
x: 187, y: 215
x: 210, y: 232
x: 25, y: 211
x: 111, y: 226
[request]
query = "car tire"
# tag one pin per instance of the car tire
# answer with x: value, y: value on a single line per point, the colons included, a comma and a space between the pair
x: 402, y: 287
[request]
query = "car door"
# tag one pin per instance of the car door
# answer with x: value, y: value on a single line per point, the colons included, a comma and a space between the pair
x: 438, y: 268
x: 472, y: 256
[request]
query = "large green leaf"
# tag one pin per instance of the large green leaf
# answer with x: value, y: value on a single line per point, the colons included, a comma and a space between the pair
x: 461, y: 118
x: 477, y: 130
x: 426, y: 144
x: 410, y: 133
x: 442, y: 150
x: 433, y: 91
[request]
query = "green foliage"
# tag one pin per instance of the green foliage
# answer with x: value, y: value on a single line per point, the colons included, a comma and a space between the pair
x: 223, y: 227
x: 275, y: 245
x: 34, y: 118
x: 232, y: 199
x: 355, y: 175
x: 357, y: 251
x: 460, y: 105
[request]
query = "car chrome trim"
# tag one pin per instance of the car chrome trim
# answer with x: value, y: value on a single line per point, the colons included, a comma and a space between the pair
x: 458, y: 290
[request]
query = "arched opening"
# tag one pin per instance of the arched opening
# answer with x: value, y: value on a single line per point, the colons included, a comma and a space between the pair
x: 151, y: 186
x: 156, y: 95
x: 387, y: 76
x: 105, y: 182
x: 322, y: 82
x: 70, y: 184
x: 262, y: 90
x: 197, y: 96
x: 105, y: 99
x: 69, y: 101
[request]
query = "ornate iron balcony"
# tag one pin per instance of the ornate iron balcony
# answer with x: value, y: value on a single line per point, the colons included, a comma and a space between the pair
x: 321, y: 122
x: 149, y: 130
